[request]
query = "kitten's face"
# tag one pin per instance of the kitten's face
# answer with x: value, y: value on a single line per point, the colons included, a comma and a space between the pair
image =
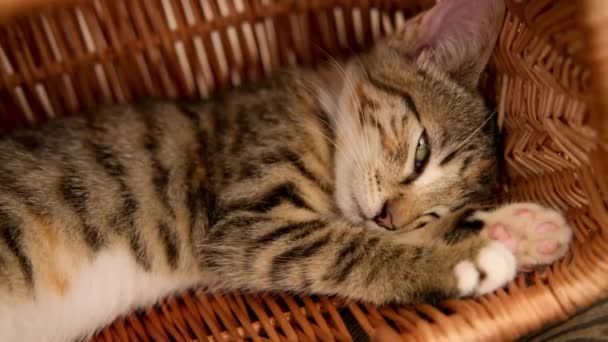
x: 413, y: 133
x: 410, y: 139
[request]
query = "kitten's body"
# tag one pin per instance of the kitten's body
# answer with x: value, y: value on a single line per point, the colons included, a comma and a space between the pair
x: 287, y: 185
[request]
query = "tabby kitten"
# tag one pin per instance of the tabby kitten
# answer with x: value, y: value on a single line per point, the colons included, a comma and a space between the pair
x: 361, y: 180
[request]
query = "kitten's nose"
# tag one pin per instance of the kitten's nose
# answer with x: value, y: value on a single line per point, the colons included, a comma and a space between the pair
x: 384, y: 218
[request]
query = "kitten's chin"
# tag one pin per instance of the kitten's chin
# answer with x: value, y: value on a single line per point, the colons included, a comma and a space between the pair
x: 362, y: 222
x: 348, y: 208
x: 369, y: 224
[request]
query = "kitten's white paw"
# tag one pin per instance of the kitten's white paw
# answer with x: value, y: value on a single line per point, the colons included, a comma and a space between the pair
x: 536, y: 235
x: 499, y: 266
x: 493, y: 267
x: 467, y: 277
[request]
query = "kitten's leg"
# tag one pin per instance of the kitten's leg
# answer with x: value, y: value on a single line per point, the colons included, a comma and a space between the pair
x: 536, y: 235
x: 329, y: 256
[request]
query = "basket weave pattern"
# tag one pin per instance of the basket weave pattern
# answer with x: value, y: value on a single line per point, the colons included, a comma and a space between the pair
x: 545, y: 78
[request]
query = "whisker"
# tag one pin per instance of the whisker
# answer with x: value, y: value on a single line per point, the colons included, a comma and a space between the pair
x: 355, y: 154
x: 376, y: 109
x: 350, y: 157
x: 351, y: 88
x: 359, y: 109
x: 357, y: 59
x: 468, y: 138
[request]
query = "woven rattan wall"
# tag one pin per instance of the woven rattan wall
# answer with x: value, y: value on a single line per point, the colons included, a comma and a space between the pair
x: 547, y: 77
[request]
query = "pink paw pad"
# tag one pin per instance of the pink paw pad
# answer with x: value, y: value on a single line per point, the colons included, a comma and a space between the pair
x: 536, y: 235
x: 499, y: 232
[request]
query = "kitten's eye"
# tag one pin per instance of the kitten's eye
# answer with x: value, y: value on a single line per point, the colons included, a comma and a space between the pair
x: 422, y: 153
x: 421, y: 157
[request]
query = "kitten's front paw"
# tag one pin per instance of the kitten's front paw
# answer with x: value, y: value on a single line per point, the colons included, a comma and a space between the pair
x: 493, y: 267
x: 536, y: 235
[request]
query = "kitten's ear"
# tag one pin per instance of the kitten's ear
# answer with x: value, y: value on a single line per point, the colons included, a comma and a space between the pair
x: 459, y: 35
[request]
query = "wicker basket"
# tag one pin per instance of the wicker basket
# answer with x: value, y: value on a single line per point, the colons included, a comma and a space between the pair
x: 547, y: 78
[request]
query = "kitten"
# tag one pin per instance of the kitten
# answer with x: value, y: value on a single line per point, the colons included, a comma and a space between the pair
x: 364, y: 180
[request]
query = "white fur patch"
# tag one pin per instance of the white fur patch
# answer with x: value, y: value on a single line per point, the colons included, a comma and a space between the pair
x: 112, y: 285
x: 499, y: 266
x: 467, y: 277
x: 495, y: 261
